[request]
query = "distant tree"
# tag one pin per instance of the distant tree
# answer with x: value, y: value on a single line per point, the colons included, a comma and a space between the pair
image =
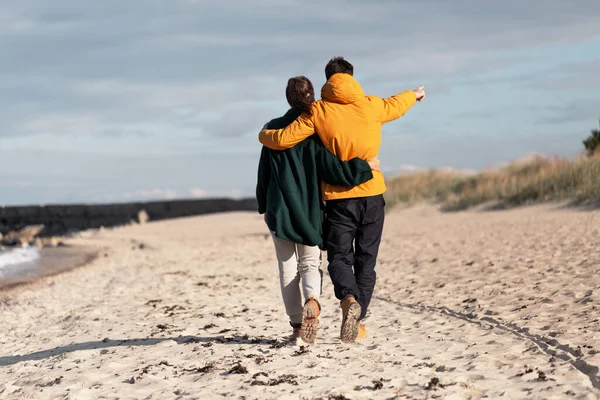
x: 592, y: 143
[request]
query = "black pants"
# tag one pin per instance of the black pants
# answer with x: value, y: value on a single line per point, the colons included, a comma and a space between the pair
x: 353, y: 229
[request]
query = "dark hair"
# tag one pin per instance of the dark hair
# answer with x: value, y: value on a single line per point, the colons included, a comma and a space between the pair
x: 337, y: 65
x: 300, y: 94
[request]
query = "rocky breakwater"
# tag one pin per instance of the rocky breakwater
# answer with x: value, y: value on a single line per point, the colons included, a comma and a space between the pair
x: 59, y: 220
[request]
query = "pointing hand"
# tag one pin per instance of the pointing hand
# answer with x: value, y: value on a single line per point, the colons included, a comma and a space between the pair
x: 420, y: 93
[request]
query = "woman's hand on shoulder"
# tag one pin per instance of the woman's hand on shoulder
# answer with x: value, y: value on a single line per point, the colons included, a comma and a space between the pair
x: 374, y: 163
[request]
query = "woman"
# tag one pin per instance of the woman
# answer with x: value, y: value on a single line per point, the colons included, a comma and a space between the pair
x: 289, y: 195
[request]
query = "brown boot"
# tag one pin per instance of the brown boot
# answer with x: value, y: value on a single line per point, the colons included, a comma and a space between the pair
x: 310, y: 320
x: 362, y: 331
x: 350, y: 314
x: 293, y: 338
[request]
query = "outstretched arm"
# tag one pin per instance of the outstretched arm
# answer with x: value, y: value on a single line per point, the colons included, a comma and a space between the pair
x: 281, y: 139
x: 396, y: 106
x: 341, y: 173
x: 262, y: 184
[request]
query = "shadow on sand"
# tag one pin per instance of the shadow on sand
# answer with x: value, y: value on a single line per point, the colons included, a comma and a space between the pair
x: 107, y: 343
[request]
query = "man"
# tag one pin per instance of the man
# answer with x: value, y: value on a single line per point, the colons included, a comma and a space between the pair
x: 349, y: 124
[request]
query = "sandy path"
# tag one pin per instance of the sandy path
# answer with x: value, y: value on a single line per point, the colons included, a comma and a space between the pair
x: 494, y: 305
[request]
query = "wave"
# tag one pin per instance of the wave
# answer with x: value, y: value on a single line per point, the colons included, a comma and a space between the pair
x: 15, y: 262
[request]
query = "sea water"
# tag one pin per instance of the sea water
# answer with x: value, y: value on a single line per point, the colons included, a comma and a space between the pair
x: 19, y: 261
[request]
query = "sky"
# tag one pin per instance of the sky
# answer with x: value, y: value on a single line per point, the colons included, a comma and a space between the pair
x: 127, y: 100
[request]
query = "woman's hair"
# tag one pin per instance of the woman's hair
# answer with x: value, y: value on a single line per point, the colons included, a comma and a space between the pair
x: 300, y: 94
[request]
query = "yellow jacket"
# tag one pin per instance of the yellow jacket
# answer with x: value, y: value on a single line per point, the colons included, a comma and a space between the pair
x: 349, y: 124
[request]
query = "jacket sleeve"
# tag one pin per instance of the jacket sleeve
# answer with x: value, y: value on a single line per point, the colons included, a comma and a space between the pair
x: 281, y: 139
x: 262, y: 184
x: 396, y: 106
x: 341, y: 173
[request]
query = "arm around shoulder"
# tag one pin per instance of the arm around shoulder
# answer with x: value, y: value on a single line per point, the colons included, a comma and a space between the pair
x: 341, y: 173
x: 281, y: 139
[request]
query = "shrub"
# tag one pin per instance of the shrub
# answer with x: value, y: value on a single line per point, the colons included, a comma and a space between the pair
x: 592, y: 143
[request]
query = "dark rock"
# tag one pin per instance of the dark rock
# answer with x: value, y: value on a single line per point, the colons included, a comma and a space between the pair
x: 434, y: 384
x: 238, y: 369
x: 541, y: 377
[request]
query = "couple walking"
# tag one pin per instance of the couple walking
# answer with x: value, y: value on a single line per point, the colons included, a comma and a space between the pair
x: 317, y: 152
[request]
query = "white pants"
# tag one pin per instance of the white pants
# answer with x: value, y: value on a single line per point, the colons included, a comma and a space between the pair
x: 298, y: 264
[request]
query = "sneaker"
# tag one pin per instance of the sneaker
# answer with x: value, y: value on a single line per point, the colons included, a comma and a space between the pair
x: 350, y: 314
x: 310, y: 320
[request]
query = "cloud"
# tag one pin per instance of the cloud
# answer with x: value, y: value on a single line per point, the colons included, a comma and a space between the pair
x: 167, y: 194
x: 173, y: 81
x: 59, y: 176
x: 199, y: 193
x: 123, y: 64
x: 571, y: 112
x: 581, y: 76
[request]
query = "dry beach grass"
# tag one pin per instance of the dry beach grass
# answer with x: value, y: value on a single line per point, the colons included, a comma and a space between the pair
x: 469, y: 305
x: 531, y: 180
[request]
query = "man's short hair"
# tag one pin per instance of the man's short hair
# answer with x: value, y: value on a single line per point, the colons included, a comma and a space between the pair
x: 338, y: 65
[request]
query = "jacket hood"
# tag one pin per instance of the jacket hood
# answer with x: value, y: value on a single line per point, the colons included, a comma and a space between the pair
x: 343, y: 89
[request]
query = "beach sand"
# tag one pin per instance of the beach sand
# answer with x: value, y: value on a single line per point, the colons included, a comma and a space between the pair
x: 468, y: 305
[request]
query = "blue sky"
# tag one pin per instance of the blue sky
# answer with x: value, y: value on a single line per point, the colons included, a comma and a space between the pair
x: 136, y: 100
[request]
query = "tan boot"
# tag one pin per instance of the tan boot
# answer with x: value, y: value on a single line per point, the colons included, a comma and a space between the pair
x: 293, y: 338
x: 350, y: 314
x: 310, y: 320
x: 362, y: 332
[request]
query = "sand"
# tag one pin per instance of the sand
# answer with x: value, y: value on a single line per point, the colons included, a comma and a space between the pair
x: 468, y: 305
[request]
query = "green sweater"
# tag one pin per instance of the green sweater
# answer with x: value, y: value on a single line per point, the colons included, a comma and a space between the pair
x: 289, y: 185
